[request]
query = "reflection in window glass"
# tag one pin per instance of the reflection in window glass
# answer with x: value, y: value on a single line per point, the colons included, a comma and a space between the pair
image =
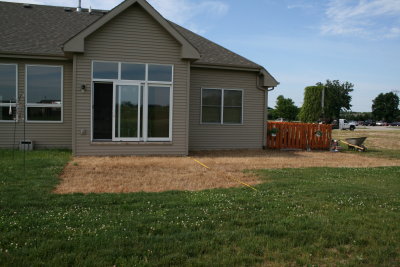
x: 232, y: 106
x: 212, y: 97
x: 232, y: 115
x: 6, y: 115
x: 44, y: 84
x: 158, y: 111
x: 211, y: 114
x: 232, y: 98
x: 133, y: 71
x: 44, y: 113
x: 211, y: 108
x: 8, y: 83
x: 105, y: 70
x: 126, y: 111
x: 161, y: 73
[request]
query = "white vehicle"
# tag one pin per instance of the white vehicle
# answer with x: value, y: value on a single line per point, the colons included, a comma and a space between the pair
x: 346, y: 125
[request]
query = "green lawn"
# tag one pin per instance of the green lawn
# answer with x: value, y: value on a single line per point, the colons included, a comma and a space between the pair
x: 310, y: 216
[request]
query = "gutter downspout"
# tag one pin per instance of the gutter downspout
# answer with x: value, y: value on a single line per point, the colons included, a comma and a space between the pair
x: 266, y: 90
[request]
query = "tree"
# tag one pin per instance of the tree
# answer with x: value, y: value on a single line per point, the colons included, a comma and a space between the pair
x: 356, y: 116
x: 311, y: 110
x: 385, y: 107
x: 271, y: 114
x: 336, y: 97
x: 285, y: 108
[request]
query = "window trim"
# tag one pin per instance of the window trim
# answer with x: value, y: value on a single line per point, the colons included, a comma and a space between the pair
x: 114, y: 118
x: 15, y: 105
x: 144, y: 117
x: 28, y: 105
x: 160, y: 139
x: 222, y: 106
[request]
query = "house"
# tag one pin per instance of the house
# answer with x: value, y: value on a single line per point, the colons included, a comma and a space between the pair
x: 123, y: 82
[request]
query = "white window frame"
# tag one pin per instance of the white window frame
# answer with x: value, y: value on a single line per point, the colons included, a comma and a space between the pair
x: 144, y: 116
x: 222, y: 106
x: 13, y: 105
x: 28, y: 105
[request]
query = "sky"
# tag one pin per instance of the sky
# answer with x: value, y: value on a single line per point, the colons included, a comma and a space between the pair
x: 300, y: 42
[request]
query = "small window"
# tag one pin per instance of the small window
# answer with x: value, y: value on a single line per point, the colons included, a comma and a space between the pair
x: 44, y: 89
x: 133, y: 71
x: 222, y: 106
x: 160, y: 73
x: 105, y: 70
x: 8, y: 91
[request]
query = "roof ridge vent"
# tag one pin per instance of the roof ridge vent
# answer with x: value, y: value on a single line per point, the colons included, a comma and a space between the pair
x: 26, y: 5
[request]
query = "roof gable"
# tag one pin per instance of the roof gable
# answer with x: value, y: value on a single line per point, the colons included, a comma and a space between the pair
x: 77, y: 43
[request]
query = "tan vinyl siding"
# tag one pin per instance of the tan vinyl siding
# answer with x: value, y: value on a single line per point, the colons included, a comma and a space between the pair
x: 44, y: 135
x: 211, y: 136
x: 132, y: 36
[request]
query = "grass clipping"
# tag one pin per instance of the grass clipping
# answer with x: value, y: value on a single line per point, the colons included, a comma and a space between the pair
x: 156, y: 174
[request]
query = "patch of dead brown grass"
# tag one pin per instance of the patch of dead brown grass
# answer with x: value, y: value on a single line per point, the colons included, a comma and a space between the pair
x: 383, y: 139
x: 155, y: 174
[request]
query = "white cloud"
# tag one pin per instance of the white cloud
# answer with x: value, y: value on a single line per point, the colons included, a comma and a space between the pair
x: 185, y: 11
x: 300, y: 4
x: 393, y: 32
x: 100, y: 4
x: 368, y: 18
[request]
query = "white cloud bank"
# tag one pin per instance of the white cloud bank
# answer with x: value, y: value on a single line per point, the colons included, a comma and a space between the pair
x: 367, y: 18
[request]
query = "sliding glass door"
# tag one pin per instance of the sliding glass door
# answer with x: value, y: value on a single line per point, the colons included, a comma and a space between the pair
x: 127, y: 111
x: 132, y: 111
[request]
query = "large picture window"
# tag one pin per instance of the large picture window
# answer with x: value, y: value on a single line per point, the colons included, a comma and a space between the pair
x: 140, y: 106
x: 8, y: 92
x: 44, y: 90
x: 221, y: 106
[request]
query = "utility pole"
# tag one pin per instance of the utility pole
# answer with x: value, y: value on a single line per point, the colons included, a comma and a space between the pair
x: 323, y: 101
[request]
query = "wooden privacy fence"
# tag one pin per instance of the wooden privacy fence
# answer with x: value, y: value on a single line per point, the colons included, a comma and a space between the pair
x: 293, y: 135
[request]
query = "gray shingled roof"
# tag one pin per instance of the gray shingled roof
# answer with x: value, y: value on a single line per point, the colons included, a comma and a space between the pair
x: 212, y: 53
x: 42, y: 30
